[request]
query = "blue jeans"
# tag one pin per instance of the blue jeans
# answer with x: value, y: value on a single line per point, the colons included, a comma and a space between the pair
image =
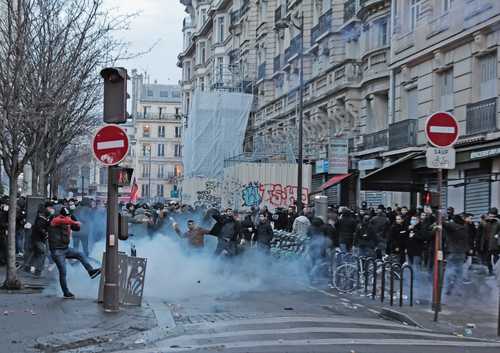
x: 454, y: 271
x: 59, y: 256
x: 19, y: 241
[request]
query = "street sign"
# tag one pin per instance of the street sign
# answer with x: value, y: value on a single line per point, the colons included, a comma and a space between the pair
x: 110, y: 145
x: 443, y: 158
x: 441, y: 129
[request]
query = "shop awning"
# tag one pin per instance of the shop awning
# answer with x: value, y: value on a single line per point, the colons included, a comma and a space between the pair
x: 395, y: 176
x: 333, y: 181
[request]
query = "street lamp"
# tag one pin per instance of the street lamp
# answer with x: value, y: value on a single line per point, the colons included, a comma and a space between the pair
x: 282, y: 24
x: 149, y: 175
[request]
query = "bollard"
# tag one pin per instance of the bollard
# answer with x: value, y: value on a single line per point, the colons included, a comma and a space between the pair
x: 412, y: 274
x: 394, y: 267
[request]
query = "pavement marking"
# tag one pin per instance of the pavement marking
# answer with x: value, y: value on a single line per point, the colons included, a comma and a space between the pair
x: 373, y: 311
x: 323, y: 292
x: 299, y: 330
x: 314, y: 319
x: 331, y: 342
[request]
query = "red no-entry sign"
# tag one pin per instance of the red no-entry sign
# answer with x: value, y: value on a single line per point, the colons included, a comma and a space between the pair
x: 441, y: 129
x: 110, y: 145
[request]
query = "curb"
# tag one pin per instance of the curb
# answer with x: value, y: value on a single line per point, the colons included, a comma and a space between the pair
x: 394, y: 315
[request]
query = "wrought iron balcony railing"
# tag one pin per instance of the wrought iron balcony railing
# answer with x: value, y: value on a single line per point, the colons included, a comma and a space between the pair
x: 481, y: 116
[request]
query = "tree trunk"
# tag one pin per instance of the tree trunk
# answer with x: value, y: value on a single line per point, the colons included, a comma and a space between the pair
x: 34, y: 177
x: 42, y: 184
x: 11, y: 281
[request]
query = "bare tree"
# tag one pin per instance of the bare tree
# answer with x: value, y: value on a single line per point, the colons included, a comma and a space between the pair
x: 50, y: 54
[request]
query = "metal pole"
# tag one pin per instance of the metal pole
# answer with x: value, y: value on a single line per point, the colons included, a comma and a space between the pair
x: 301, y: 118
x: 111, y: 290
x: 438, y: 253
x: 83, y: 187
x: 149, y: 175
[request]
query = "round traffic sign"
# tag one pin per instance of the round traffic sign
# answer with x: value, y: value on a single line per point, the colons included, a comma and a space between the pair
x: 110, y: 145
x: 441, y: 129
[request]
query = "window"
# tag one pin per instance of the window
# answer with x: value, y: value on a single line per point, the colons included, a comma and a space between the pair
x: 178, y: 151
x: 415, y: 9
x: 382, y: 33
x: 178, y: 130
x: 370, y: 119
x: 176, y: 94
x: 202, y: 83
x: 161, y: 171
x: 146, y: 149
x: 187, y: 71
x: 161, y: 150
x: 103, y: 176
x: 146, y: 131
x: 219, y: 69
x: 159, y: 190
x: 164, y: 94
x: 178, y: 170
x: 145, y: 111
x: 202, y: 52
x: 150, y: 93
x: 488, y: 76
x: 220, y: 30
x: 145, y: 190
x: 446, y: 90
x: 203, y: 16
x: 447, y: 5
x: 146, y: 169
x: 161, y: 131
x: 160, y: 112
x: 177, y: 113
x: 412, y: 103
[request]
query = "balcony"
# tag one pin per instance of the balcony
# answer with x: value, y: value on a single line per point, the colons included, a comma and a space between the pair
x: 261, y: 71
x: 482, y: 116
x: 294, y: 47
x: 349, y: 10
x: 324, y: 26
x: 157, y: 116
x: 403, y: 134
x: 277, y: 63
x: 375, y: 139
x: 245, y: 6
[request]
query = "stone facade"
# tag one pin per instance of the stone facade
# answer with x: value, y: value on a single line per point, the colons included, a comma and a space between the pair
x: 374, y: 70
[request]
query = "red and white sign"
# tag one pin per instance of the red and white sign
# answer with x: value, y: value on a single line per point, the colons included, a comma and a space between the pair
x: 441, y: 129
x: 110, y: 145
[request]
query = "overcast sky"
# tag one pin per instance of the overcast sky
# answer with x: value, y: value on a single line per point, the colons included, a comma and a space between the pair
x: 159, y: 21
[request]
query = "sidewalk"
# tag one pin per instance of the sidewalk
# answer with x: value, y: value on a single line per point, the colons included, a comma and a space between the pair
x: 39, y: 319
x: 472, y: 305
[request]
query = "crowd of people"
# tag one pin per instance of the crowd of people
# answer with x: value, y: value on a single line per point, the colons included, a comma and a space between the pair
x: 68, y: 229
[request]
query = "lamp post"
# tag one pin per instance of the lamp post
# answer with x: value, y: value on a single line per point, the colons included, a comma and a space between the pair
x: 282, y: 24
x: 149, y: 174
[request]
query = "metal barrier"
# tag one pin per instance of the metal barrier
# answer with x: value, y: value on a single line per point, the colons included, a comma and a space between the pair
x: 382, y: 280
x: 366, y: 267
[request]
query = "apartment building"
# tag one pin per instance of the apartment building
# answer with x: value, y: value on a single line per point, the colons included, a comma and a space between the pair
x: 373, y: 71
x: 157, y: 147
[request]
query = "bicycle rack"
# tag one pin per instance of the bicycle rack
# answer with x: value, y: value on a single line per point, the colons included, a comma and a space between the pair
x: 382, y: 280
x: 401, y: 284
x: 368, y: 261
x: 395, y: 268
x: 375, y: 268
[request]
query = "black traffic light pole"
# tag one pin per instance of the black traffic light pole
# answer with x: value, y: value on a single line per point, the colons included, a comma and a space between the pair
x: 115, y: 111
x: 111, y: 296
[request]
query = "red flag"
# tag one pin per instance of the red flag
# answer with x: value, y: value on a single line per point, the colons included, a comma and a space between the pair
x: 133, y: 192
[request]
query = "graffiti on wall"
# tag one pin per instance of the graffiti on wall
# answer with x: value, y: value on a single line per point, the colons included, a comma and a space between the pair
x: 209, y: 195
x: 272, y: 194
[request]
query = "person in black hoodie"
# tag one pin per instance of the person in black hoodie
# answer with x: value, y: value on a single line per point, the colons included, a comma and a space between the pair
x: 346, y: 228
x: 415, y: 243
x: 398, y: 236
x: 457, y: 246
x: 227, y: 229
x: 379, y: 225
x: 264, y: 233
x: 291, y: 215
x: 364, y: 239
x: 39, y: 236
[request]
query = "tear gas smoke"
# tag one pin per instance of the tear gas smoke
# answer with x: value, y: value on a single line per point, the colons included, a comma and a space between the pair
x: 173, y: 271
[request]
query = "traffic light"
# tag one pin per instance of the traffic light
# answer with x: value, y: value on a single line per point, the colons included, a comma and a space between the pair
x: 122, y: 176
x: 427, y: 198
x: 115, y: 95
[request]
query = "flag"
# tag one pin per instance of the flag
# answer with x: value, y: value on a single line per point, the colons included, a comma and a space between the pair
x: 133, y: 192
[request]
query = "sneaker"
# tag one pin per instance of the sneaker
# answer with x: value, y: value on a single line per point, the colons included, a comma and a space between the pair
x: 94, y: 273
x: 69, y: 295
